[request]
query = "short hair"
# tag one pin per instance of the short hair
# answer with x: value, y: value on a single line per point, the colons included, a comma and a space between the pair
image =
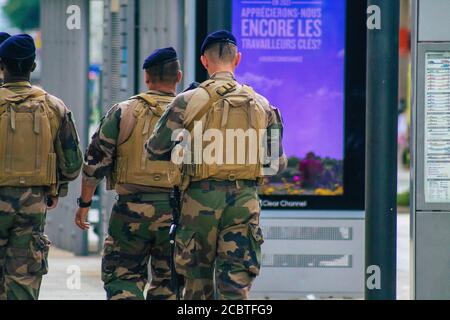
x: 222, y: 52
x: 19, y: 67
x: 164, y: 73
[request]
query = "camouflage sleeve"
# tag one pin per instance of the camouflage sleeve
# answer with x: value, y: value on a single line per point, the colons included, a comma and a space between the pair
x: 100, y: 155
x: 67, y: 148
x: 275, y: 135
x: 160, y: 144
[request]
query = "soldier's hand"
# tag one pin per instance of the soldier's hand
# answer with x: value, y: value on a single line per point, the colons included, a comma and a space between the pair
x: 52, y: 203
x: 81, y: 219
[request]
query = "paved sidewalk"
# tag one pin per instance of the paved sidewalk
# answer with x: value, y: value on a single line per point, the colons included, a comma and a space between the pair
x: 403, y: 267
x: 55, y: 286
x: 63, y: 270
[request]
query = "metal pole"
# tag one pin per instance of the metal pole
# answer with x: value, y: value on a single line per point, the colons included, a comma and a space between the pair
x: 381, y: 153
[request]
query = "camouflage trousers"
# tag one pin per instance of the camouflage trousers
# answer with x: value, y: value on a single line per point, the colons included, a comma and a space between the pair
x: 138, y: 231
x: 218, y: 244
x: 23, y: 245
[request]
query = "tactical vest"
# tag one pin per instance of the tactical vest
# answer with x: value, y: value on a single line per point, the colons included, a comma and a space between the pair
x: 231, y: 109
x: 133, y: 165
x: 28, y: 128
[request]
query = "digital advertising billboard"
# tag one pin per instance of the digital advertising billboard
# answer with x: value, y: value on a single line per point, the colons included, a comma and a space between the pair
x: 295, y: 54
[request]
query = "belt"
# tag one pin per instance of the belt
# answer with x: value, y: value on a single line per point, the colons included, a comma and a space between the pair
x: 224, y: 183
x: 143, y: 197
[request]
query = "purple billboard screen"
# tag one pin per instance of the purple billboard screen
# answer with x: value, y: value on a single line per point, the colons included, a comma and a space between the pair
x: 294, y: 55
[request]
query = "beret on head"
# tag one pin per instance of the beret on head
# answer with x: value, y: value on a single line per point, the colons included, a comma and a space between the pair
x: 19, y: 47
x: 160, y: 56
x: 4, y: 36
x: 223, y: 36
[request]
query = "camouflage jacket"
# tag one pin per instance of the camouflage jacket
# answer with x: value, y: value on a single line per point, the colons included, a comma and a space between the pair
x: 69, y: 156
x: 160, y: 144
x: 100, y: 159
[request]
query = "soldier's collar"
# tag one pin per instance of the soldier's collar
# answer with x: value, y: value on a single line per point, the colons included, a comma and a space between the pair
x: 17, y: 84
x: 160, y: 93
x: 223, y: 75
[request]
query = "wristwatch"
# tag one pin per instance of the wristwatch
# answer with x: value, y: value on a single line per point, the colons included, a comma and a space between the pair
x: 82, y: 204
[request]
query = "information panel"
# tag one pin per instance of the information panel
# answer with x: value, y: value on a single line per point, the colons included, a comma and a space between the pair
x: 437, y: 127
x: 294, y: 54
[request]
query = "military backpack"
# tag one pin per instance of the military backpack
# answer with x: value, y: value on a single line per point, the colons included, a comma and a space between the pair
x: 233, y: 116
x: 133, y: 165
x: 28, y: 128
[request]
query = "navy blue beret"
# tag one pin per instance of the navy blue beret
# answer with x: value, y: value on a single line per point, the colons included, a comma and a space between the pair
x: 160, y: 56
x: 216, y: 37
x: 4, y: 36
x: 19, y: 47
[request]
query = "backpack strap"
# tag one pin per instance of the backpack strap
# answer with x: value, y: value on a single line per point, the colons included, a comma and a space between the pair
x: 165, y: 100
x: 226, y: 111
x: 155, y: 107
x: 4, y: 94
x: 215, y: 94
x: 248, y: 92
x: 56, y: 115
x: 12, y: 119
x: 11, y: 99
x: 253, y: 105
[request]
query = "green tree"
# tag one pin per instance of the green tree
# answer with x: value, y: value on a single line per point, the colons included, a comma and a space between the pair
x: 24, y: 14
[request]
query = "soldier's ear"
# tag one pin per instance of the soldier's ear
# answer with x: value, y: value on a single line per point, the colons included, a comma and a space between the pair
x: 180, y: 76
x: 33, y: 67
x: 237, y: 61
x: 146, y: 77
x: 204, y: 61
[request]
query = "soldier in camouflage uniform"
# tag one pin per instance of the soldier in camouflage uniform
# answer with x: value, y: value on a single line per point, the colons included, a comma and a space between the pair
x: 39, y: 156
x: 141, y: 218
x: 218, y: 242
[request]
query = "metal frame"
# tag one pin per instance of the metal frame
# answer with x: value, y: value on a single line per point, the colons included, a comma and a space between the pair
x: 429, y: 235
x: 381, y: 151
x: 413, y: 147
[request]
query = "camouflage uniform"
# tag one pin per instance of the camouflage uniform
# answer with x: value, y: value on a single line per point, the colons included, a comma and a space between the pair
x: 140, y: 220
x: 23, y: 245
x: 219, y: 238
